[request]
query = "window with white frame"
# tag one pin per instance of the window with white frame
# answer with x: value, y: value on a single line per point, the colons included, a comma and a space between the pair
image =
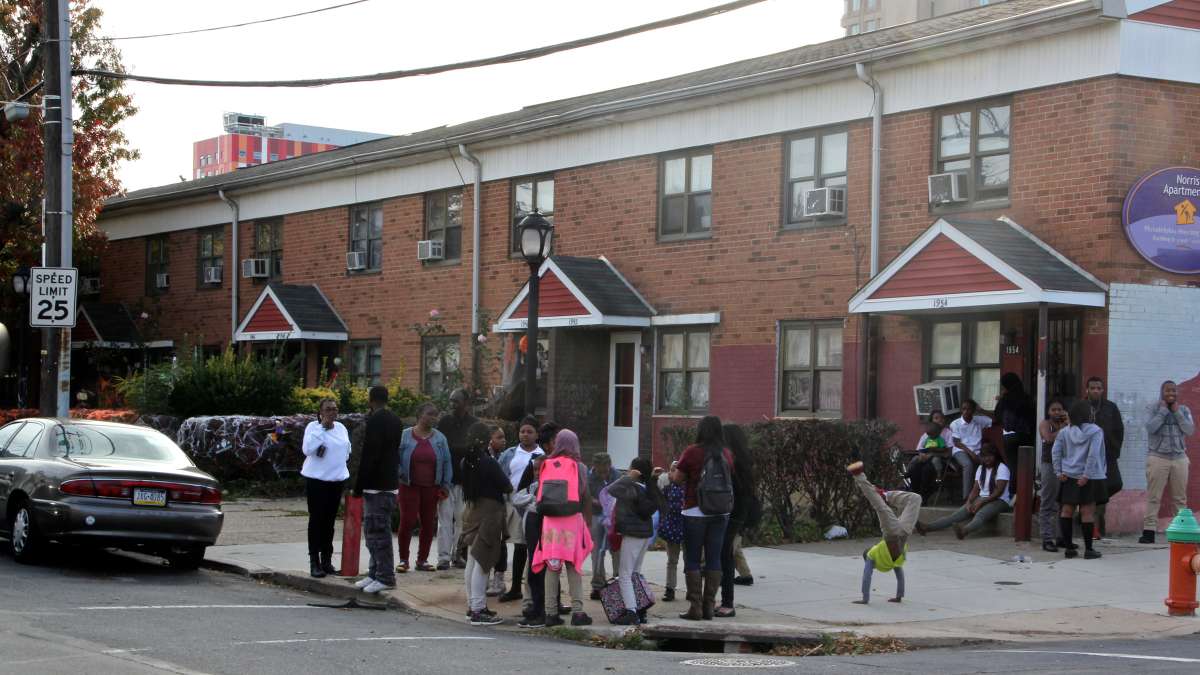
x: 683, y: 370
x: 211, y: 254
x: 810, y: 367
x: 974, y: 140
x: 440, y: 357
x: 529, y: 194
x: 366, y: 363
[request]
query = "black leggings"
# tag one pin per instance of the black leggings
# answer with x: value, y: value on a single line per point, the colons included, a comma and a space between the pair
x: 728, y: 569
x: 537, y: 580
x: 324, y: 497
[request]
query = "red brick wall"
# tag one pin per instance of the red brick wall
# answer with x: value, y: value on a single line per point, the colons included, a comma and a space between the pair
x: 1076, y: 149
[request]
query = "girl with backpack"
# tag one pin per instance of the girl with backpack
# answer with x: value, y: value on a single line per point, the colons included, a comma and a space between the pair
x: 744, y: 502
x: 485, y: 487
x: 566, y: 541
x: 638, y: 500
x: 706, y: 471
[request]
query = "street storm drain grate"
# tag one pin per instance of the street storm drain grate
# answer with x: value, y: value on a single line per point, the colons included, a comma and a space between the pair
x: 739, y: 662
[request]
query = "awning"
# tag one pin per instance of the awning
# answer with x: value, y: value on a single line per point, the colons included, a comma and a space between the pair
x: 578, y: 292
x: 291, y: 312
x: 977, y: 265
x: 109, y: 325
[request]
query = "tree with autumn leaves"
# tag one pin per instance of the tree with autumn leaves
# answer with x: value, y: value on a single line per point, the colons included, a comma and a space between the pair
x: 101, y: 105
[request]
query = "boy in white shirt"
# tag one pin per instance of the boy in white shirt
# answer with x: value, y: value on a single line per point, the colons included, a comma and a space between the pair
x: 966, y: 432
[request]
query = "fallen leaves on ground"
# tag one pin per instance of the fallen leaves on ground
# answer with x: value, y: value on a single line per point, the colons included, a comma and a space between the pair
x: 844, y: 645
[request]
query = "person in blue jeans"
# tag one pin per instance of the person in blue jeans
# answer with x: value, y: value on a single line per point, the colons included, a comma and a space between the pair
x: 703, y: 533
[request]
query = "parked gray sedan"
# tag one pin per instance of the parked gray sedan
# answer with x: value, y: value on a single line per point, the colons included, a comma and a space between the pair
x: 107, y: 485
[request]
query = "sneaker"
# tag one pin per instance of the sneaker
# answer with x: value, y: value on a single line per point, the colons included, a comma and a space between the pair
x: 581, y: 619
x: 441, y: 566
x: 376, y: 587
x: 402, y: 568
x: 483, y: 618
x: 460, y: 564
x: 510, y: 596
x: 855, y: 468
x: 551, y: 622
x: 1091, y: 554
x: 669, y: 594
x: 1070, y: 553
x: 564, y: 610
x: 595, y: 594
x: 1049, y: 546
x: 363, y: 583
x: 740, y: 581
x: 538, y: 621
x: 1147, y: 537
x: 627, y: 618
x: 425, y: 567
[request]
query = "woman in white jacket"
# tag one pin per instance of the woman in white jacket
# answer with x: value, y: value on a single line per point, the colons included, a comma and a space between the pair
x: 1078, y: 458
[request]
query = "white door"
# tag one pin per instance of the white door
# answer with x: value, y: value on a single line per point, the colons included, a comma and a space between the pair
x: 624, y: 385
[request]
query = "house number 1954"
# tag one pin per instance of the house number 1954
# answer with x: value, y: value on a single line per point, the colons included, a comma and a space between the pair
x: 941, y: 302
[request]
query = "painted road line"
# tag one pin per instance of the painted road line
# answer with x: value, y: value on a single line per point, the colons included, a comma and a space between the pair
x: 196, y: 607
x: 361, y: 639
x: 1138, y: 657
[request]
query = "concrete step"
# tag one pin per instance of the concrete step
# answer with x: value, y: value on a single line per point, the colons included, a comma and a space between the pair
x: 1002, y: 525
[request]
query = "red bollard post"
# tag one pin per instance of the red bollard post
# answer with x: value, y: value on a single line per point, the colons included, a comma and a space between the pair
x: 351, y: 535
x: 1023, y: 515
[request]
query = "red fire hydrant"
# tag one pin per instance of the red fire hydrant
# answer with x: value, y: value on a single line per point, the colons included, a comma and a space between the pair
x: 1184, y: 536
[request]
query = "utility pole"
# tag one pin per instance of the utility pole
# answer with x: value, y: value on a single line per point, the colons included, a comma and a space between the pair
x: 58, y: 202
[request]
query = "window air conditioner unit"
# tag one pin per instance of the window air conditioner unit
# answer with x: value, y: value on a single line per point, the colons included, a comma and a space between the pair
x: 162, y: 280
x: 940, y: 395
x: 89, y: 285
x: 212, y: 275
x: 431, y: 249
x: 356, y: 260
x: 825, y: 202
x: 947, y: 188
x: 254, y: 268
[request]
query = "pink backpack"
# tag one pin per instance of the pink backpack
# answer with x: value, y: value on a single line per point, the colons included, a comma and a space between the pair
x: 558, y: 490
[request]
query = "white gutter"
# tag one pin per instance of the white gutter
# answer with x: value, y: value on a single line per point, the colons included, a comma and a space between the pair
x: 864, y: 73
x: 233, y: 272
x: 476, y: 200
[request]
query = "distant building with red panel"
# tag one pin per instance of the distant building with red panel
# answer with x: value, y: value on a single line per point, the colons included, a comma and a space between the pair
x: 242, y: 143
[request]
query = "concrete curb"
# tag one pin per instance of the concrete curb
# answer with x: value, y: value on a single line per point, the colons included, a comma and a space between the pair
x: 328, y: 586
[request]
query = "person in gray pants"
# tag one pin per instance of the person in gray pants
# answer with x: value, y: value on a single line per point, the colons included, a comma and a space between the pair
x: 378, y: 483
x: 1056, y: 420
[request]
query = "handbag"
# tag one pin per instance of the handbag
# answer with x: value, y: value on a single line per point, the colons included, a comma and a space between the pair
x: 614, y: 605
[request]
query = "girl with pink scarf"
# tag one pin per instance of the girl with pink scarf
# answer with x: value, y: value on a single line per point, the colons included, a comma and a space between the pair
x: 566, y: 540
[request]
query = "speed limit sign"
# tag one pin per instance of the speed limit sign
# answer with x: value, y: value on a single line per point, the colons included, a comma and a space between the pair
x: 52, y: 297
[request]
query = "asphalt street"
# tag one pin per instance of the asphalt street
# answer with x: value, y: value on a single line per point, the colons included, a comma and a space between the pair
x: 112, y: 613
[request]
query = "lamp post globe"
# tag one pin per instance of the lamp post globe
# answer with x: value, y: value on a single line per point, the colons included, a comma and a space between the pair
x: 537, y: 238
x: 20, y: 281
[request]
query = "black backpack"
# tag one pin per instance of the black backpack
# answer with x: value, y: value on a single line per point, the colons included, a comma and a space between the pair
x: 714, y: 493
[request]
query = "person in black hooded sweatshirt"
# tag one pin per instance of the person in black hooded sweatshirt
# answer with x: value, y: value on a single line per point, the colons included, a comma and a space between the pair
x: 1017, y: 416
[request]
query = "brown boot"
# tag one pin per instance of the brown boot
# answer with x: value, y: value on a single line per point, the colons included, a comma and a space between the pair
x: 712, y: 583
x: 694, y: 592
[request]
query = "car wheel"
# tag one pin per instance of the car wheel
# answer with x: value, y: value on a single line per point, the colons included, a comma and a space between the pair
x: 26, y: 542
x: 186, y: 558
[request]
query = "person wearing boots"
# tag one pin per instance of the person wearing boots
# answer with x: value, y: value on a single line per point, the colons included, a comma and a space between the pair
x: 326, y: 450
x: 888, y: 554
x: 1079, y: 463
x: 703, y: 532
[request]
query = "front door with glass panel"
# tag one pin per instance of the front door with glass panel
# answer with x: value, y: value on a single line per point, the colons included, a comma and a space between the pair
x: 624, y: 410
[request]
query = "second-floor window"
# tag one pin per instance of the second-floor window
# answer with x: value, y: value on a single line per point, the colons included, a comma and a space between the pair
x: 212, y: 255
x: 443, y: 220
x: 529, y: 194
x: 366, y: 234
x: 268, y: 243
x: 686, y: 195
x: 156, y: 263
x: 974, y: 140
x: 815, y: 159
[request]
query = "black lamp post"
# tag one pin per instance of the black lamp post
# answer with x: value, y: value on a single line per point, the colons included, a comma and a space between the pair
x: 20, y: 285
x: 537, y: 236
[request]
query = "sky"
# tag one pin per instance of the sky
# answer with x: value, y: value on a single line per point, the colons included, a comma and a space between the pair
x: 381, y: 35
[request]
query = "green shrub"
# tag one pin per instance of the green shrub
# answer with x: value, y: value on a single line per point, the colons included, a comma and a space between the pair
x: 307, y: 400
x: 231, y: 385
x: 404, y: 401
x: 807, y: 459
x: 149, y: 390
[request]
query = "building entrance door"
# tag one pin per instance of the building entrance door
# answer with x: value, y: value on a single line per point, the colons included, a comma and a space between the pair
x: 624, y: 410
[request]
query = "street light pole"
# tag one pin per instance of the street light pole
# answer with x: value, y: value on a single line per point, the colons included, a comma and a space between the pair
x: 537, y: 238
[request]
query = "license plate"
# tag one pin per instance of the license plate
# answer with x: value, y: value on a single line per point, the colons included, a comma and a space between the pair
x: 149, y: 497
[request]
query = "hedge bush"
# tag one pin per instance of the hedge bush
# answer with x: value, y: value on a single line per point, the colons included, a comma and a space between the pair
x: 808, y: 458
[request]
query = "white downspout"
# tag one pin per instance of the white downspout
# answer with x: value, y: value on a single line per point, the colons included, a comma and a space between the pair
x: 864, y: 74
x: 476, y: 200
x: 233, y: 272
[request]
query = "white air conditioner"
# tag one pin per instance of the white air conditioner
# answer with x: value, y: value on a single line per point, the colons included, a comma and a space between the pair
x: 162, y: 280
x: 947, y: 188
x: 431, y: 249
x: 356, y: 260
x: 254, y: 268
x: 940, y: 395
x: 212, y: 275
x: 89, y: 285
x: 825, y: 202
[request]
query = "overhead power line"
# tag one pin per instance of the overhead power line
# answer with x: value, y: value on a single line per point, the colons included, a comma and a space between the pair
x: 232, y: 25
x: 523, y: 55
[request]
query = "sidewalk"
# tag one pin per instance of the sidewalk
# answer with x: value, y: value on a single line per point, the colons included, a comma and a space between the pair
x: 956, y: 590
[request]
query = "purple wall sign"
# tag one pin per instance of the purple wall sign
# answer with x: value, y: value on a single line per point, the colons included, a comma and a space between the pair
x: 1160, y: 218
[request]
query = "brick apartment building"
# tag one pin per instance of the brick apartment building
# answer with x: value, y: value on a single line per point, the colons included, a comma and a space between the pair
x: 687, y: 278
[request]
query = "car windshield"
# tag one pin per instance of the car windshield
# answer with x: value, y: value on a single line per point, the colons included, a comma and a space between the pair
x: 105, y: 442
